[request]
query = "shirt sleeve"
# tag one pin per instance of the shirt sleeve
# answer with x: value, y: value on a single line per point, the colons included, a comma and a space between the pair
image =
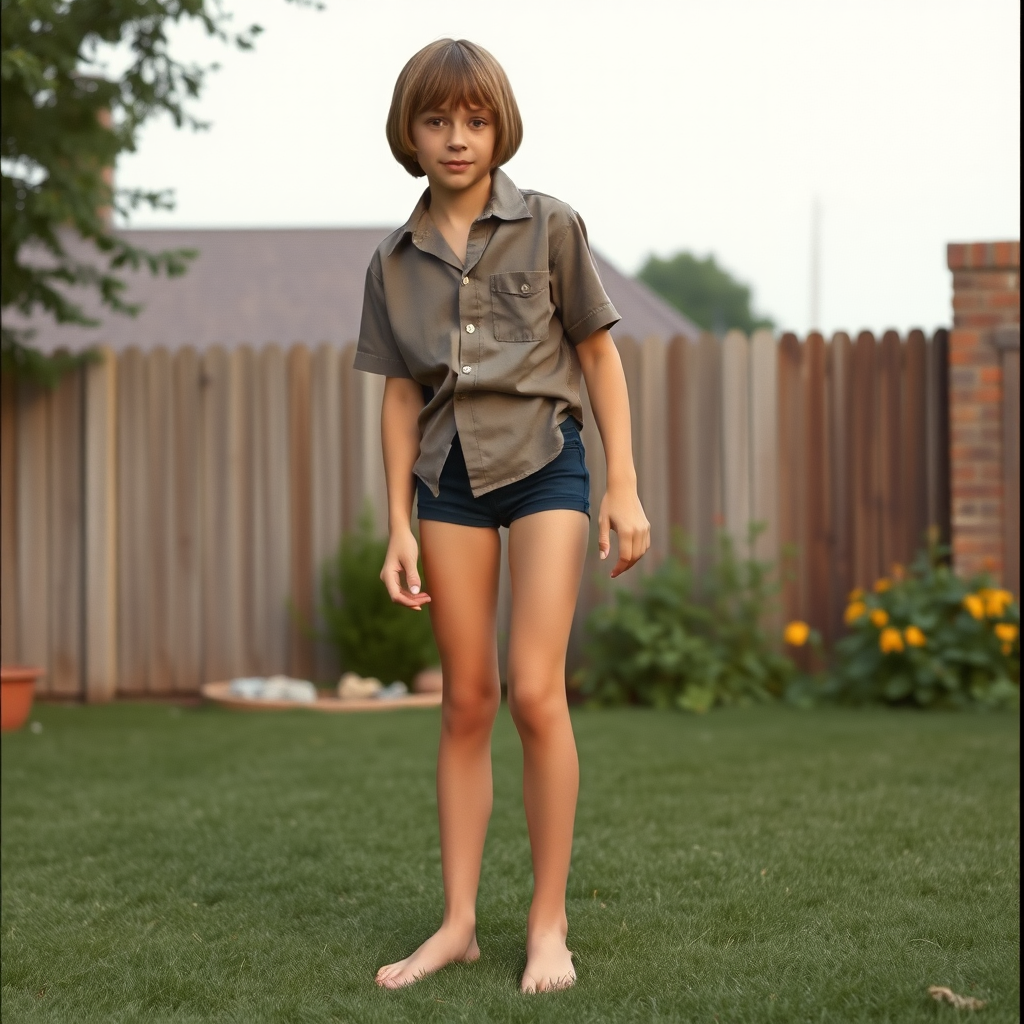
x: 580, y: 300
x: 377, y: 351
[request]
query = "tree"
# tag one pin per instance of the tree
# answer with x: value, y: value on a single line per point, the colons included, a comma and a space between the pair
x: 65, y: 120
x: 708, y: 294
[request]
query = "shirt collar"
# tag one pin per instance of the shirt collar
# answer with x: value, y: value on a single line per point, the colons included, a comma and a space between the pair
x: 506, y: 203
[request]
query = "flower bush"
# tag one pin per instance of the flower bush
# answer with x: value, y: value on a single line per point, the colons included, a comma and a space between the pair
x: 927, y: 637
x: 685, y: 642
x: 373, y: 636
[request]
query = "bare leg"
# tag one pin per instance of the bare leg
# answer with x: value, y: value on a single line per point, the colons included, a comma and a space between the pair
x: 546, y: 553
x: 460, y: 568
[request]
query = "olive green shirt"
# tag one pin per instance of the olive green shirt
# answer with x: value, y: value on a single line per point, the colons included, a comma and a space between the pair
x: 492, y: 339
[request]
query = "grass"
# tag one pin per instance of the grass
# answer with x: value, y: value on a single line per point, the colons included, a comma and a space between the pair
x: 169, y: 864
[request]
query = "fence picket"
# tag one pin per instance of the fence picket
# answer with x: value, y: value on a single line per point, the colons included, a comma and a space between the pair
x: 937, y: 419
x: 890, y: 464
x: 326, y: 409
x: 187, y: 536
x: 300, y: 647
x: 134, y: 572
x: 161, y: 582
x: 219, y: 508
x: 791, y: 476
x: 676, y: 369
x: 764, y: 442
x: 736, y: 436
x: 65, y: 462
x: 706, y: 452
x: 653, y: 453
x: 99, y: 450
x: 273, y: 540
x: 915, y: 470
x: 245, y: 411
x: 840, y: 460
x: 864, y: 428
x: 816, y: 531
x: 9, y: 608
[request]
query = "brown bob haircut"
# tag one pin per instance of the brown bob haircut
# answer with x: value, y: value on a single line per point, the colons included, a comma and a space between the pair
x: 452, y: 73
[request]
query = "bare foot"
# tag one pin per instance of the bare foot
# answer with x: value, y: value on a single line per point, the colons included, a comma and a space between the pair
x: 447, y: 945
x: 548, y: 963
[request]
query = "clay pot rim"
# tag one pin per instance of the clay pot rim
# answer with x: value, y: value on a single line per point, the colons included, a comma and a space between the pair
x: 20, y: 673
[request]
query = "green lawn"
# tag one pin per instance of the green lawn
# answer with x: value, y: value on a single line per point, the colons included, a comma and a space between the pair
x: 168, y: 864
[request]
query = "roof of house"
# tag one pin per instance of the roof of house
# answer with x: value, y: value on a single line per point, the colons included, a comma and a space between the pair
x: 284, y: 285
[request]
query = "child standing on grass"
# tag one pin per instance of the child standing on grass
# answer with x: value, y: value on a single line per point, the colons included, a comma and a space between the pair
x: 482, y: 311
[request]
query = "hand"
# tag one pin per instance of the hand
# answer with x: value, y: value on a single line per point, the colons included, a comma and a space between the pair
x: 401, y: 559
x: 622, y: 512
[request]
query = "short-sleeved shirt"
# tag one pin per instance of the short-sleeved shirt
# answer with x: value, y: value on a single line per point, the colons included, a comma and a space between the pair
x: 492, y: 338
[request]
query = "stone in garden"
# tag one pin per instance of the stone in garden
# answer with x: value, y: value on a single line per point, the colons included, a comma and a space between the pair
x: 247, y: 687
x: 352, y: 686
x: 286, y: 688
x: 427, y: 680
x: 393, y: 692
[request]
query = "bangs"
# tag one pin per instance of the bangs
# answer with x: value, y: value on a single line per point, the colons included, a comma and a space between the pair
x: 454, y: 80
x: 452, y: 73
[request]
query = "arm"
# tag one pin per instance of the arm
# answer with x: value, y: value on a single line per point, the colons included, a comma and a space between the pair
x: 621, y: 510
x: 400, y: 439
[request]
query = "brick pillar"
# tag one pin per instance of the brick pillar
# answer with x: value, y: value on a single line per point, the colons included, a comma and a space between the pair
x: 986, y: 321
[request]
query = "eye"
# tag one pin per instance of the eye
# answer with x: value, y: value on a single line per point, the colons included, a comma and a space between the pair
x: 478, y: 122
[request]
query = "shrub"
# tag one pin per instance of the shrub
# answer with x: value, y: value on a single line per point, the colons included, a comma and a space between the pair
x: 929, y: 638
x: 687, y: 642
x: 373, y: 636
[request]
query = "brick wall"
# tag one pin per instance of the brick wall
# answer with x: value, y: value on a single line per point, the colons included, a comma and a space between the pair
x: 986, y: 326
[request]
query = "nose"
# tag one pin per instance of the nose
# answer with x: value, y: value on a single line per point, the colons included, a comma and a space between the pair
x: 455, y: 138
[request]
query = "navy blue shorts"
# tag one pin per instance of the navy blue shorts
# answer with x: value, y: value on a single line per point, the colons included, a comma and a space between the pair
x: 562, y: 483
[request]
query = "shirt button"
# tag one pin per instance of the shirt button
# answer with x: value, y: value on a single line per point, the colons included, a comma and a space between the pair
x: 470, y: 328
x: 465, y: 280
x: 467, y: 369
x: 524, y: 288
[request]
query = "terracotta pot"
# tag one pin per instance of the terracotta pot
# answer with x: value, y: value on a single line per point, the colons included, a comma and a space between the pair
x: 428, y: 680
x: 17, y: 688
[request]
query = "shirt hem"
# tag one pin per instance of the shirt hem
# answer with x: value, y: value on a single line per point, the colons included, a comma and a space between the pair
x: 370, y: 363
x: 604, y: 316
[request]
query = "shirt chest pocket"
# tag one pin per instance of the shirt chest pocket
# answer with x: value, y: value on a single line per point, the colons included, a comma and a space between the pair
x: 521, y: 305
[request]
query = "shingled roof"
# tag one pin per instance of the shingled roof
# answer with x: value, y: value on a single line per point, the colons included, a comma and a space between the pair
x: 285, y: 285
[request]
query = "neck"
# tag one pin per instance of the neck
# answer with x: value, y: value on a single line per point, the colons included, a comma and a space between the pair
x: 462, y: 205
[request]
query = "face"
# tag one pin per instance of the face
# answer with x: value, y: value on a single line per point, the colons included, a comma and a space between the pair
x: 455, y: 148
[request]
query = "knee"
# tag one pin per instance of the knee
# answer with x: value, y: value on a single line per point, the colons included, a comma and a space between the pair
x: 535, y: 705
x: 470, y: 706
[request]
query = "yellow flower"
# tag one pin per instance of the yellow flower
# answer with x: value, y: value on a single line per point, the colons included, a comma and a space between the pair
x: 914, y: 637
x: 855, y: 595
x: 882, y: 585
x: 890, y: 640
x: 995, y: 602
x: 854, y: 612
x: 1006, y: 648
x: 975, y: 606
x: 1006, y: 631
x: 879, y: 617
x: 797, y: 633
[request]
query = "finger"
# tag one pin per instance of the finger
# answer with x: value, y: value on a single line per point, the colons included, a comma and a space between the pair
x: 626, y: 544
x: 412, y: 577
x: 392, y: 581
x: 389, y: 577
x: 604, y: 544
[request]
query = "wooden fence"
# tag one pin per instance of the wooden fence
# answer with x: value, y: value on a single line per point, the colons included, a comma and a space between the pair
x: 160, y: 510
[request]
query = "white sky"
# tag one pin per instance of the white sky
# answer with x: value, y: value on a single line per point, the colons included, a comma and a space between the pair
x: 708, y: 126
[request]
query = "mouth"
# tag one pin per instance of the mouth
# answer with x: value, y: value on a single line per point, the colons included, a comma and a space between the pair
x: 456, y: 165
